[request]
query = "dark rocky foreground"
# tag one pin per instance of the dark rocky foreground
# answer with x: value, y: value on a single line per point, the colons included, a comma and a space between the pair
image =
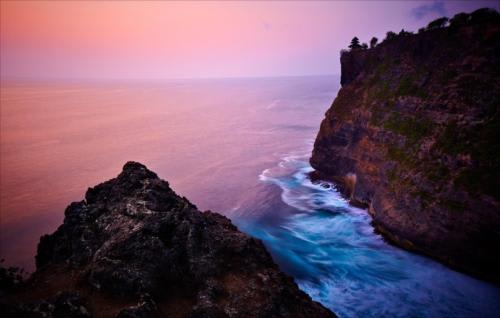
x: 414, y: 135
x: 134, y: 248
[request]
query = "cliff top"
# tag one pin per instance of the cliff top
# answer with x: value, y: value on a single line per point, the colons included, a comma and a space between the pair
x: 417, y: 122
x: 437, y: 30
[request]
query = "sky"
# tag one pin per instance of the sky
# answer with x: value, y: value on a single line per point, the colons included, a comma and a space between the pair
x: 160, y: 39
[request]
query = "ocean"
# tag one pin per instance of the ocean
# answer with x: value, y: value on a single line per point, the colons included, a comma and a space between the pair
x: 239, y: 147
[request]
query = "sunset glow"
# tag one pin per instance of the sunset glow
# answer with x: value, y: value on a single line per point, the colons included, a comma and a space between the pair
x: 245, y: 159
x: 99, y: 39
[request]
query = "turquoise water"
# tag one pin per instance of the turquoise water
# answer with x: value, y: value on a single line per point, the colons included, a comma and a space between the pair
x: 211, y: 139
x: 329, y: 247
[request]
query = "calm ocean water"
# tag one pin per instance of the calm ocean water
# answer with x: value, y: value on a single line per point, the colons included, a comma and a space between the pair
x: 238, y: 147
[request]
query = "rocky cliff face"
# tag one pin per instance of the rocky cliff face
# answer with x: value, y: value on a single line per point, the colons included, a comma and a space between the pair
x: 134, y: 248
x: 414, y: 135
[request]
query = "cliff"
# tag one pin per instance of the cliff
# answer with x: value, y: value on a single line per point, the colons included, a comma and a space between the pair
x: 414, y: 136
x: 133, y: 248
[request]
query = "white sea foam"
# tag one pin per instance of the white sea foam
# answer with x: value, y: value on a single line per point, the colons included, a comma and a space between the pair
x: 331, y: 250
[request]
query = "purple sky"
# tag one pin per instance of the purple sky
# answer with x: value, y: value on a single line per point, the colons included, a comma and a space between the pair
x: 127, y: 39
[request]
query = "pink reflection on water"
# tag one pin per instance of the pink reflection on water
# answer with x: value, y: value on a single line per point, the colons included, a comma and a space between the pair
x: 209, y: 138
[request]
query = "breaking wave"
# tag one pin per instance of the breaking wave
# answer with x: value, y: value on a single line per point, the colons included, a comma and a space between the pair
x: 331, y: 250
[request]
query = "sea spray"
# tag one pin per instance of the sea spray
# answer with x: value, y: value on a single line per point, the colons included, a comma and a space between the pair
x: 331, y: 250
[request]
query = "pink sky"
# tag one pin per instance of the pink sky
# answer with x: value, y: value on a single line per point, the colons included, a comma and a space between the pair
x: 76, y: 39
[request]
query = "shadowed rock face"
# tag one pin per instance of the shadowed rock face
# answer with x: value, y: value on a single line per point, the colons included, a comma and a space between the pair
x: 134, y: 248
x: 417, y: 124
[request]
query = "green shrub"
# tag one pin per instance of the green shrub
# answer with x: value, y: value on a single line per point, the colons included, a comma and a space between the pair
x: 451, y: 140
x: 437, y: 172
x: 459, y: 19
x: 413, y: 129
x: 407, y: 87
x: 390, y: 35
x: 437, y: 24
x: 397, y: 154
x: 484, y: 15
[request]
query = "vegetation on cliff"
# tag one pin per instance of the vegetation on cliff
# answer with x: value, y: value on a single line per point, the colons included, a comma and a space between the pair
x: 417, y: 120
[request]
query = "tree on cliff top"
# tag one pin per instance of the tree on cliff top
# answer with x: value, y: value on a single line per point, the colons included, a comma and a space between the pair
x: 438, y: 23
x: 404, y: 32
x: 459, y: 19
x: 484, y: 15
x: 390, y: 35
x: 373, y: 42
x: 354, y: 43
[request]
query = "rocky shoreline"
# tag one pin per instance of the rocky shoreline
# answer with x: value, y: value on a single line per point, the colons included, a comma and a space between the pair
x: 413, y: 136
x: 134, y: 248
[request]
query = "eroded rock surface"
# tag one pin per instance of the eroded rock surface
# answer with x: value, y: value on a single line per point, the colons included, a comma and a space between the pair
x: 133, y: 248
x: 414, y: 135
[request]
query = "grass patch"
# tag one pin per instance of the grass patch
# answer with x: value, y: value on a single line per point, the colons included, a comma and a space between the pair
x: 447, y: 76
x: 392, y: 174
x: 382, y: 91
x: 452, y: 140
x: 479, y: 180
x: 437, y: 173
x: 425, y: 197
x: 454, y: 205
x: 413, y: 129
x: 397, y: 154
x: 407, y: 87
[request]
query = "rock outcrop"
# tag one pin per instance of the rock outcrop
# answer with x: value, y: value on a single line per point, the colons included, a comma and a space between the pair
x: 134, y: 248
x: 414, y: 136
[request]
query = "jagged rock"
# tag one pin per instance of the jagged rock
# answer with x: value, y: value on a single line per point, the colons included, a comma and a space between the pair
x: 134, y: 248
x: 145, y: 308
x: 62, y: 305
x: 416, y: 127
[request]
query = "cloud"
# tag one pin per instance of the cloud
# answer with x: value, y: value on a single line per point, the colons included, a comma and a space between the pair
x: 425, y: 9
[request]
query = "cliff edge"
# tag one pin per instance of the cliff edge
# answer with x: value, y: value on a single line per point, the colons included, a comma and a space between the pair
x: 414, y: 135
x: 134, y: 248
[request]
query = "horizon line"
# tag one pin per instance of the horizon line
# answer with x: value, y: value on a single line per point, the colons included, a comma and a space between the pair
x: 40, y: 79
